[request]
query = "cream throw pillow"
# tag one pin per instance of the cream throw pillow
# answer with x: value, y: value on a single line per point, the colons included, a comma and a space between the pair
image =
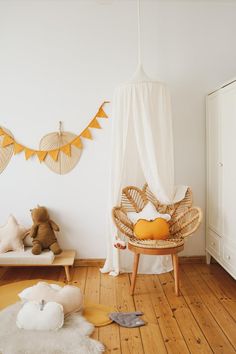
x: 149, y: 212
x: 70, y: 297
x: 40, y: 316
x: 11, y: 236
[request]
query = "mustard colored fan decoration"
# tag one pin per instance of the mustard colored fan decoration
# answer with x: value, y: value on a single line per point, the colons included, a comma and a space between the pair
x: 56, y: 149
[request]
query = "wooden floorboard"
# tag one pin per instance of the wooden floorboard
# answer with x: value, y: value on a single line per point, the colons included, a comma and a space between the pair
x: 221, y: 316
x: 92, y: 290
x: 221, y: 284
x: 209, y: 326
x: 150, y: 333
x: 130, y: 338
x: 200, y: 320
x: 192, y: 333
x: 109, y: 335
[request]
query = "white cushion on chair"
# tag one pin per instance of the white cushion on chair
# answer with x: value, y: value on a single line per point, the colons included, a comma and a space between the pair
x: 149, y: 212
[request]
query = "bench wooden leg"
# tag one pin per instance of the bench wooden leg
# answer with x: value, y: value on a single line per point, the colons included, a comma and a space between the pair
x: 175, y: 260
x: 135, y: 269
x: 67, y: 271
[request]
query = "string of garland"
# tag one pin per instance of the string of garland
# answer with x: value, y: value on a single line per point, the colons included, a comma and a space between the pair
x: 66, y: 149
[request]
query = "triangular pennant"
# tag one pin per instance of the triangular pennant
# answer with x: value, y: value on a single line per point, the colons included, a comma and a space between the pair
x: 18, y: 148
x: 77, y: 143
x: 66, y: 149
x: 2, y: 132
x: 7, y: 140
x: 41, y: 155
x: 29, y: 153
x: 101, y: 113
x: 86, y: 134
x: 95, y: 124
x: 54, y: 154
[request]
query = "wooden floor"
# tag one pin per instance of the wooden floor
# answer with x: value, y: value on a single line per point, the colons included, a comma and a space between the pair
x: 200, y: 320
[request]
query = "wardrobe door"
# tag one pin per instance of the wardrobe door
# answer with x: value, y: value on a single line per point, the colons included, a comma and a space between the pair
x: 229, y: 161
x: 214, y: 166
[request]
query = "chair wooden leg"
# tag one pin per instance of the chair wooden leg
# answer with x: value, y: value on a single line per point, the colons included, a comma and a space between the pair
x: 176, y: 272
x: 135, y: 269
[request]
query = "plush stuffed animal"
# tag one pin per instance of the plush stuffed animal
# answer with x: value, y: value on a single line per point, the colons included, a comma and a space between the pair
x: 42, y: 231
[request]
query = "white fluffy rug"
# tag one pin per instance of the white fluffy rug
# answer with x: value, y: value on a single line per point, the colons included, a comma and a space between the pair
x: 72, y: 338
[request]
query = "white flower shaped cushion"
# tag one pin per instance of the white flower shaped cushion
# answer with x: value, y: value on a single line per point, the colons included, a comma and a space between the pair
x: 11, y: 236
x: 70, y: 297
x: 149, y: 212
x: 40, y: 316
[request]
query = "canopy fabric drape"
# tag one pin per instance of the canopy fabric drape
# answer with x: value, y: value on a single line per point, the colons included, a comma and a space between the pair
x: 142, y: 151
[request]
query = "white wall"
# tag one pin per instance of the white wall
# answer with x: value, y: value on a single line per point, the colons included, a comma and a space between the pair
x: 60, y: 59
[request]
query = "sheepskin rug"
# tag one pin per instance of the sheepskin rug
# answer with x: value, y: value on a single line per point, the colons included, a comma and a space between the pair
x: 72, y: 338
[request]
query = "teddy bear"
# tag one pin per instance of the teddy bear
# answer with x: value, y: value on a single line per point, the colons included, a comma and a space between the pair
x: 42, y: 232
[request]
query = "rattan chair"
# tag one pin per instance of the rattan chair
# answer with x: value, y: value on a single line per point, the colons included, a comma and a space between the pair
x: 185, y: 220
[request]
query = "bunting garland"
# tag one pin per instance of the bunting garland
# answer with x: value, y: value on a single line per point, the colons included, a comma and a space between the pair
x: 8, y: 140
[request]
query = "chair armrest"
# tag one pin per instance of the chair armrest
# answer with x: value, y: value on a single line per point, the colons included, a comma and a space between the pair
x: 122, y: 222
x: 186, y: 223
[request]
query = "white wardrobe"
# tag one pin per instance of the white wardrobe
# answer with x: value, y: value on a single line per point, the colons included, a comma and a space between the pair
x: 221, y: 177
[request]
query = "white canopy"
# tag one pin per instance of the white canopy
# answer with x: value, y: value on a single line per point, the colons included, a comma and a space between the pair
x: 142, y: 151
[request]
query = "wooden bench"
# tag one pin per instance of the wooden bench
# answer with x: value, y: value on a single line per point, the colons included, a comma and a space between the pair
x: 65, y: 259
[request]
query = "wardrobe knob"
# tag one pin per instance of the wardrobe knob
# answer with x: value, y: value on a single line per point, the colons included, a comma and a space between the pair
x: 228, y: 257
x: 220, y: 164
x: 213, y: 243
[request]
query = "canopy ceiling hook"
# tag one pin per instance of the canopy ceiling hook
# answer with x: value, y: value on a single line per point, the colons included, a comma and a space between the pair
x: 60, y: 127
x: 139, y: 33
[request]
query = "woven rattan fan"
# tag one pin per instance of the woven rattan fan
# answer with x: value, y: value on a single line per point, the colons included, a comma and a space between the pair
x: 5, y: 153
x: 64, y: 164
x: 185, y: 219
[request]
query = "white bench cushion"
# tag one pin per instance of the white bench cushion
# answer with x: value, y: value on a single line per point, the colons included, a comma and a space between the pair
x: 26, y: 257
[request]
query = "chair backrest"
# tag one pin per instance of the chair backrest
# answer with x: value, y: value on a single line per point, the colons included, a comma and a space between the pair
x: 135, y: 199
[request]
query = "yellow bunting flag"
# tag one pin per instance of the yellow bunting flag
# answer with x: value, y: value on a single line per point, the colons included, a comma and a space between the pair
x: 18, y: 148
x: 66, y: 149
x: 29, y: 153
x: 2, y: 132
x: 101, y: 113
x: 41, y: 155
x: 54, y: 154
x: 7, y: 140
x: 94, y: 124
x: 86, y: 134
x: 77, y: 143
